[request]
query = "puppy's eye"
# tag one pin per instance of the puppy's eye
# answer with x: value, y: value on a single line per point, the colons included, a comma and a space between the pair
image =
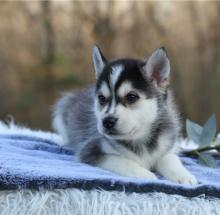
x: 131, y: 98
x: 102, y: 99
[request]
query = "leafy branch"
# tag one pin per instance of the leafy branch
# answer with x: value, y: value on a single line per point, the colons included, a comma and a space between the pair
x: 205, y: 138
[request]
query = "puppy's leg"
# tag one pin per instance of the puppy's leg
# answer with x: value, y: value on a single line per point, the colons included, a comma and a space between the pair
x: 171, y: 167
x: 125, y: 167
x: 92, y: 154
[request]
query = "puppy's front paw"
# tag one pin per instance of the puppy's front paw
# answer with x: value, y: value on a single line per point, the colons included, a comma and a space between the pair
x: 143, y: 173
x: 171, y: 167
x: 151, y: 176
x: 184, y: 178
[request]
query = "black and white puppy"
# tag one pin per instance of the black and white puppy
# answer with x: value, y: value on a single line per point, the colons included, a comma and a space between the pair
x: 127, y: 123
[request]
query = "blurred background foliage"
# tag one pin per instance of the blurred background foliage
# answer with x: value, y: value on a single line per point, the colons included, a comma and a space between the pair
x: 45, y: 49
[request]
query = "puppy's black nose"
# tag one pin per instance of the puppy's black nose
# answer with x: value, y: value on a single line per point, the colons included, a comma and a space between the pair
x: 109, y: 122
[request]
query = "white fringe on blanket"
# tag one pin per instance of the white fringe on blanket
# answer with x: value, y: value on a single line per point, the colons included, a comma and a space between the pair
x: 96, y: 202
x: 12, y: 128
x: 78, y: 202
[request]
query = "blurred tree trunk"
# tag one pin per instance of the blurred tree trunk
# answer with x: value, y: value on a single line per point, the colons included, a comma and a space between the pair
x: 201, y: 62
x: 49, y: 58
x: 208, y: 52
x: 104, y: 30
x: 215, y: 60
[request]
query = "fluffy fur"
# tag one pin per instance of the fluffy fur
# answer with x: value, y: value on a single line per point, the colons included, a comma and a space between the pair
x: 127, y: 123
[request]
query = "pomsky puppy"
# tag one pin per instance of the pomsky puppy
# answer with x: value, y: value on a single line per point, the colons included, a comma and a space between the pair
x: 127, y: 123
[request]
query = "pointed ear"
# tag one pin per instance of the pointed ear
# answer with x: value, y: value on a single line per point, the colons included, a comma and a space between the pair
x: 99, y: 60
x: 157, y: 68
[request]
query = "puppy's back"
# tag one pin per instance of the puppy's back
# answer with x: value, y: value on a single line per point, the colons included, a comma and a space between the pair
x: 73, y: 117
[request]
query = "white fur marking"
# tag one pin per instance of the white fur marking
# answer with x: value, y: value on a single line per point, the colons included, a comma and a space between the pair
x: 139, y: 118
x: 104, y: 89
x: 125, y: 88
x: 115, y: 73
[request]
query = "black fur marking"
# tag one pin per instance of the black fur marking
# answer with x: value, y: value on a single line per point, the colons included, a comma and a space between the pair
x: 157, y: 129
x: 109, y: 105
x: 152, y: 142
x: 104, y: 76
x: 137, y: 149
x: 121, y: 100
x: 165, y: 95
x: 134, y: 75
x: 92, y: 152
x: 132, y: 72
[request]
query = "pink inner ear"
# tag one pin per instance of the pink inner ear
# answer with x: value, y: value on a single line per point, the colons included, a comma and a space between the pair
x: 157, y: 77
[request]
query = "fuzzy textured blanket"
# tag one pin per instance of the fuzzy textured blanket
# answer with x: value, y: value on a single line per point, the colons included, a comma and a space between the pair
x: 34, y: 162
x: 31, y: 162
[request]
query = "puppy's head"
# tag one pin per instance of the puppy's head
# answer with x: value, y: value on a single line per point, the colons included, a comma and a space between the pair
x: 127, y: 92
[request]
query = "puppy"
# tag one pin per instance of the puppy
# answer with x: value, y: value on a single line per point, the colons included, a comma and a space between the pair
x: 127, y: 123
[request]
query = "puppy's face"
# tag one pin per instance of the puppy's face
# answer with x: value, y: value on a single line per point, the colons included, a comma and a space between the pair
x: 126, y: 99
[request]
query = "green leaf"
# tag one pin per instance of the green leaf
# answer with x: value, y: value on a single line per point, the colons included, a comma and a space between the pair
x: 209, y: 131
x: 207, y: 160
x: 194, y: 131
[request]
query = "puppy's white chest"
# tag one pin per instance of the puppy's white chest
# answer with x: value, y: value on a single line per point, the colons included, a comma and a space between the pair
x: 148, y: 159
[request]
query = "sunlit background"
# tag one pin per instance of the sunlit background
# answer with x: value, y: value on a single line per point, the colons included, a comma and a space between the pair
x: 45, y: 49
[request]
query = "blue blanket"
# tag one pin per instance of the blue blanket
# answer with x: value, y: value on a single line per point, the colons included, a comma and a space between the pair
x: 38, y: 163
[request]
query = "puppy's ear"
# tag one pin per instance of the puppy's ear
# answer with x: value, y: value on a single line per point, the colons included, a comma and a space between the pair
x: 99, y: 60
x: 157, y: 68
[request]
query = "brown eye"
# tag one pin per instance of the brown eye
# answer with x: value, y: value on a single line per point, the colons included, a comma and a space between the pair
x: 131, y: 98
x: 102, y: 99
